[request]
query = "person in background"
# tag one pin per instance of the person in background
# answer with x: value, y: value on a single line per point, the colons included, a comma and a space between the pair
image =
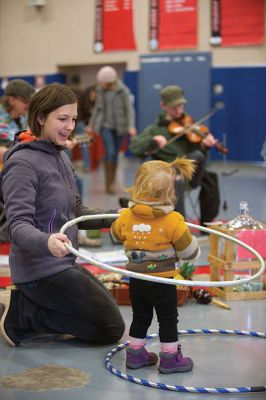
x: 153, y: 141
x: 86, y: 100
x: 113, y: 117
x: 13, y: 111
x: 13, y: 118
x: 155, y: 238
x: 52, y: 294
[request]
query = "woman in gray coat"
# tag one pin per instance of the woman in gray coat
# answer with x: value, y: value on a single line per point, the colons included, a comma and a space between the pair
x: 113, y: 117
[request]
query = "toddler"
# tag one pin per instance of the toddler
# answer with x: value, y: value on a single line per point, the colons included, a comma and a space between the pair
x: 155, y: 238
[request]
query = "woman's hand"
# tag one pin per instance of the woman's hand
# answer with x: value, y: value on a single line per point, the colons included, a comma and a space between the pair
x: 56, y: 244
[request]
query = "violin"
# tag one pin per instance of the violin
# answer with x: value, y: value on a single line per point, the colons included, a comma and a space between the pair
x: 194, y: 132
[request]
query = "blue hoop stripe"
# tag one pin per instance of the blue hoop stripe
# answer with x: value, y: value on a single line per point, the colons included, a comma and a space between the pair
x: 219, y: 331
x: 187, y: 389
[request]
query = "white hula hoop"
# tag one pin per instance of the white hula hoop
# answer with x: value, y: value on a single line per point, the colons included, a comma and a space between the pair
x: 161, y: 279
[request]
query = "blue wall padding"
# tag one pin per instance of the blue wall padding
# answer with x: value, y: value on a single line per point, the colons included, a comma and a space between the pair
x: 243, y: 118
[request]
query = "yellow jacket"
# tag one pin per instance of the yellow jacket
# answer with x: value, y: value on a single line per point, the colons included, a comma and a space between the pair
x: 154, y: 238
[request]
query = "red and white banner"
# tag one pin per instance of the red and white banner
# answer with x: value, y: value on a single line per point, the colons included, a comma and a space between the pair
x: 237, y: 22
x: 114, y: 25
x: 173, y: 24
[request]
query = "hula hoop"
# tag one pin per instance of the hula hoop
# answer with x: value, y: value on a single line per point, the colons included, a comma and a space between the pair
x: 161, y: 279
x: 186, y: 389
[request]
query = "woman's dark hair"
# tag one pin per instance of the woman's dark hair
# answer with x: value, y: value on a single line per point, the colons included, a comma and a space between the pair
x: 86, y: 104
x: 47, y: 100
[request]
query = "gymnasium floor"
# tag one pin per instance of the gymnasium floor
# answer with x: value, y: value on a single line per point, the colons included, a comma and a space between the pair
x: 219, y: 360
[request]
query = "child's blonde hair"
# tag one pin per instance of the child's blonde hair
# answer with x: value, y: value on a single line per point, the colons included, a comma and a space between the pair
x: 155, y: 180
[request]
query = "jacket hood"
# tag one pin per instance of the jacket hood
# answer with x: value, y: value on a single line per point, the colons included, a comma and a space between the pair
x: 150, y: 210
x: 25, y: 139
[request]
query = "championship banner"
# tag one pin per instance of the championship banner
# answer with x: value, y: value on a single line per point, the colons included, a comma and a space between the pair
x: 173, y: 24
x: 237, y: 22
x: 114, y: 25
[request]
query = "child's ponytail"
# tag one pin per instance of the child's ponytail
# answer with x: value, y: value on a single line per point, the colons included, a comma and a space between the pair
x: 185, y: 167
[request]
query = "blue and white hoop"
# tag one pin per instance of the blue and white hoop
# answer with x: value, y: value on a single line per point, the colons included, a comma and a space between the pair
x: 186, y: 389
x: 116, y: 349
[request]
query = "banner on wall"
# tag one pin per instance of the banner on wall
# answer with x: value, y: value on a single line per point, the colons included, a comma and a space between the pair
x: 114, y: 22
x: 237, y: 23
x: 173, y: 24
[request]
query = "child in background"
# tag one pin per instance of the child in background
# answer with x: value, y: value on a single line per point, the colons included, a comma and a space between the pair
x: 155, y: 237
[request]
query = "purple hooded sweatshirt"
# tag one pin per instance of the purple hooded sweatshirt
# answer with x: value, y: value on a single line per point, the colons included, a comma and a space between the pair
x: 40, y: 195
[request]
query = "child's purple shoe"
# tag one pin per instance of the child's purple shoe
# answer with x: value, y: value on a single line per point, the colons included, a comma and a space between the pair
x: 140, y: 358
x: 174, y: 362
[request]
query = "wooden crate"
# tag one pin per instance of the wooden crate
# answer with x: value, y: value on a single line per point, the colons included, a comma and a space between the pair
x: 224, y: 266
x: 121, y: 295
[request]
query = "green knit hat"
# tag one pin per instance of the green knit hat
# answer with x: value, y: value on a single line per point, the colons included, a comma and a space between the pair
x: 172, y: 96
x: 19, y: 88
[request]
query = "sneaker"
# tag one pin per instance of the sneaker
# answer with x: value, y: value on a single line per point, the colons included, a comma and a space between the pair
x: 9, y: 320
x: 140, y: 358
x: 174, y: 362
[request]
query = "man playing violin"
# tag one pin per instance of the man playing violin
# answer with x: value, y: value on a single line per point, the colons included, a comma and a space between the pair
x: 158, y: 142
